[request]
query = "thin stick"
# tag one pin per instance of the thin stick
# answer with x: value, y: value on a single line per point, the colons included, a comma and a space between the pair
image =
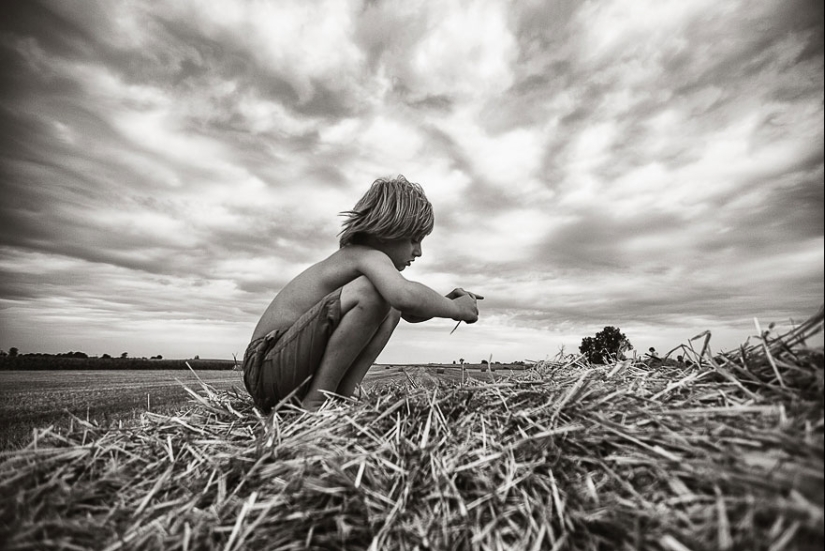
x: 768, y: 354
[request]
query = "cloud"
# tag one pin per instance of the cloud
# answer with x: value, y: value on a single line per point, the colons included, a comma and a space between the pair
x: 167, y: 169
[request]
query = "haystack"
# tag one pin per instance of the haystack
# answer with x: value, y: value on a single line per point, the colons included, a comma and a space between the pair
x: 723, y: 453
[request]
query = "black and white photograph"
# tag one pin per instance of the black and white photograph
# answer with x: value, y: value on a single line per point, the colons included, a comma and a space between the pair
x: 412, y: 275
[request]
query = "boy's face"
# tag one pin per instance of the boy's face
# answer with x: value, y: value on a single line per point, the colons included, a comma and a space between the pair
x: 402, y: 252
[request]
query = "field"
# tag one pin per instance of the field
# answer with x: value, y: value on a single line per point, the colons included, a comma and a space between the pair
x: 725, y: 452
x: 36, y: 399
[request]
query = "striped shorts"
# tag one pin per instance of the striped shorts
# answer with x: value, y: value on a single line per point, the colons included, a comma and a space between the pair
x: 282, y: 361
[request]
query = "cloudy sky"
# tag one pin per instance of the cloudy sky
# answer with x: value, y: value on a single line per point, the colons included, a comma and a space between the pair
x: 167, y: 167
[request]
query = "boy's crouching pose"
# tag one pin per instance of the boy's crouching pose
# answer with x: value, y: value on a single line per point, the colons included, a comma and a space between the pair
x: 325, y: 329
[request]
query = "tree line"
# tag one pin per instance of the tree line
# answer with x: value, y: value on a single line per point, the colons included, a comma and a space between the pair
x: 13, y: 360
x: 14, y: 352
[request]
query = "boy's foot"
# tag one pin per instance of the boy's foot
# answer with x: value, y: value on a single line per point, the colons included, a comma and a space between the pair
x: 312, y: 405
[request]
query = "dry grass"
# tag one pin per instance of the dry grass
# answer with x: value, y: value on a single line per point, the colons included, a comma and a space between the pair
x: 725, y: 454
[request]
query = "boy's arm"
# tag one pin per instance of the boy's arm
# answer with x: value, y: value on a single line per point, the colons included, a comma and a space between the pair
x: 455, y: 293
x: 414, y: 300
x: 410, y: 318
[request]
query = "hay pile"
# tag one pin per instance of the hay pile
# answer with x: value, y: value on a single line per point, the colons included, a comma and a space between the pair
x: 726, y: 453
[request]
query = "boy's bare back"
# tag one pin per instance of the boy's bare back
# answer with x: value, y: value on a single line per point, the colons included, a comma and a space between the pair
x: 324, y: 277
x: 310, y: 286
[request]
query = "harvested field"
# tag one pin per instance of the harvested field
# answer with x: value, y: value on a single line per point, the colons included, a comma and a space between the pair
x: 31, y: 399
x: 724, y: 454
x: 36, y: 399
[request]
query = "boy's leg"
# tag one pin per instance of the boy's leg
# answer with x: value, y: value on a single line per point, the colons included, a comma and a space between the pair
x: 368, y: 355
x: 363, y: 315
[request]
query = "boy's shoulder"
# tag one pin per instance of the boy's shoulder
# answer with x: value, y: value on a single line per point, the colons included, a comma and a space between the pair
x: 364, y: 259
x: 354, y: 254
x: 349, y: 262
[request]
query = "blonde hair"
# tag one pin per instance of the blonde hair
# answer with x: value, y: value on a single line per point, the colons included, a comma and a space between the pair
x: 390, y: 209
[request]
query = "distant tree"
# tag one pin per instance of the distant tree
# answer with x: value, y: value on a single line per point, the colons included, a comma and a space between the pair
x: 197, y: 357
x: 484, y: 362
x: 608, y: 344
x: 461, y: 360
x: 13, y: 351
x: 124, y: 355
x: 105, y: 356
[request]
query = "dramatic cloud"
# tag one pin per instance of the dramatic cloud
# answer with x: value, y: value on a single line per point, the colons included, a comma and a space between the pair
x: 167, y: 168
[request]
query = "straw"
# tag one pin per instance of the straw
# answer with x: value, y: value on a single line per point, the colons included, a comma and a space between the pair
x: 726, y: 453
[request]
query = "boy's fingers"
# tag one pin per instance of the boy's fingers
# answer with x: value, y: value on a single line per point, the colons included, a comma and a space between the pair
x: 458, y: 292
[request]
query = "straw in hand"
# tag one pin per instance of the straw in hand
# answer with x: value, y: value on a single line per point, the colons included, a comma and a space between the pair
x: 475, y: 296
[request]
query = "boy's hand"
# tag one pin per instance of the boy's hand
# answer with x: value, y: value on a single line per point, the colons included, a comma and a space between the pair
x: 466, y: 302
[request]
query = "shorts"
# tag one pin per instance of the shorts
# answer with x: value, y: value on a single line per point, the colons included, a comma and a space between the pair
x: 283, y: 361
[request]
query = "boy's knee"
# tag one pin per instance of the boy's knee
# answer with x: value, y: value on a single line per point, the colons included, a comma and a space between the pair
x: 391, y: 320
x: 362, y: 294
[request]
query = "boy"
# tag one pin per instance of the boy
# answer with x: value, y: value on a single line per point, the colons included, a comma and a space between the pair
x: 326, y: 327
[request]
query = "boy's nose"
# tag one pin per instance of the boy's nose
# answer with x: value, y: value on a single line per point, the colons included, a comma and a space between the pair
x: 417, y: 251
